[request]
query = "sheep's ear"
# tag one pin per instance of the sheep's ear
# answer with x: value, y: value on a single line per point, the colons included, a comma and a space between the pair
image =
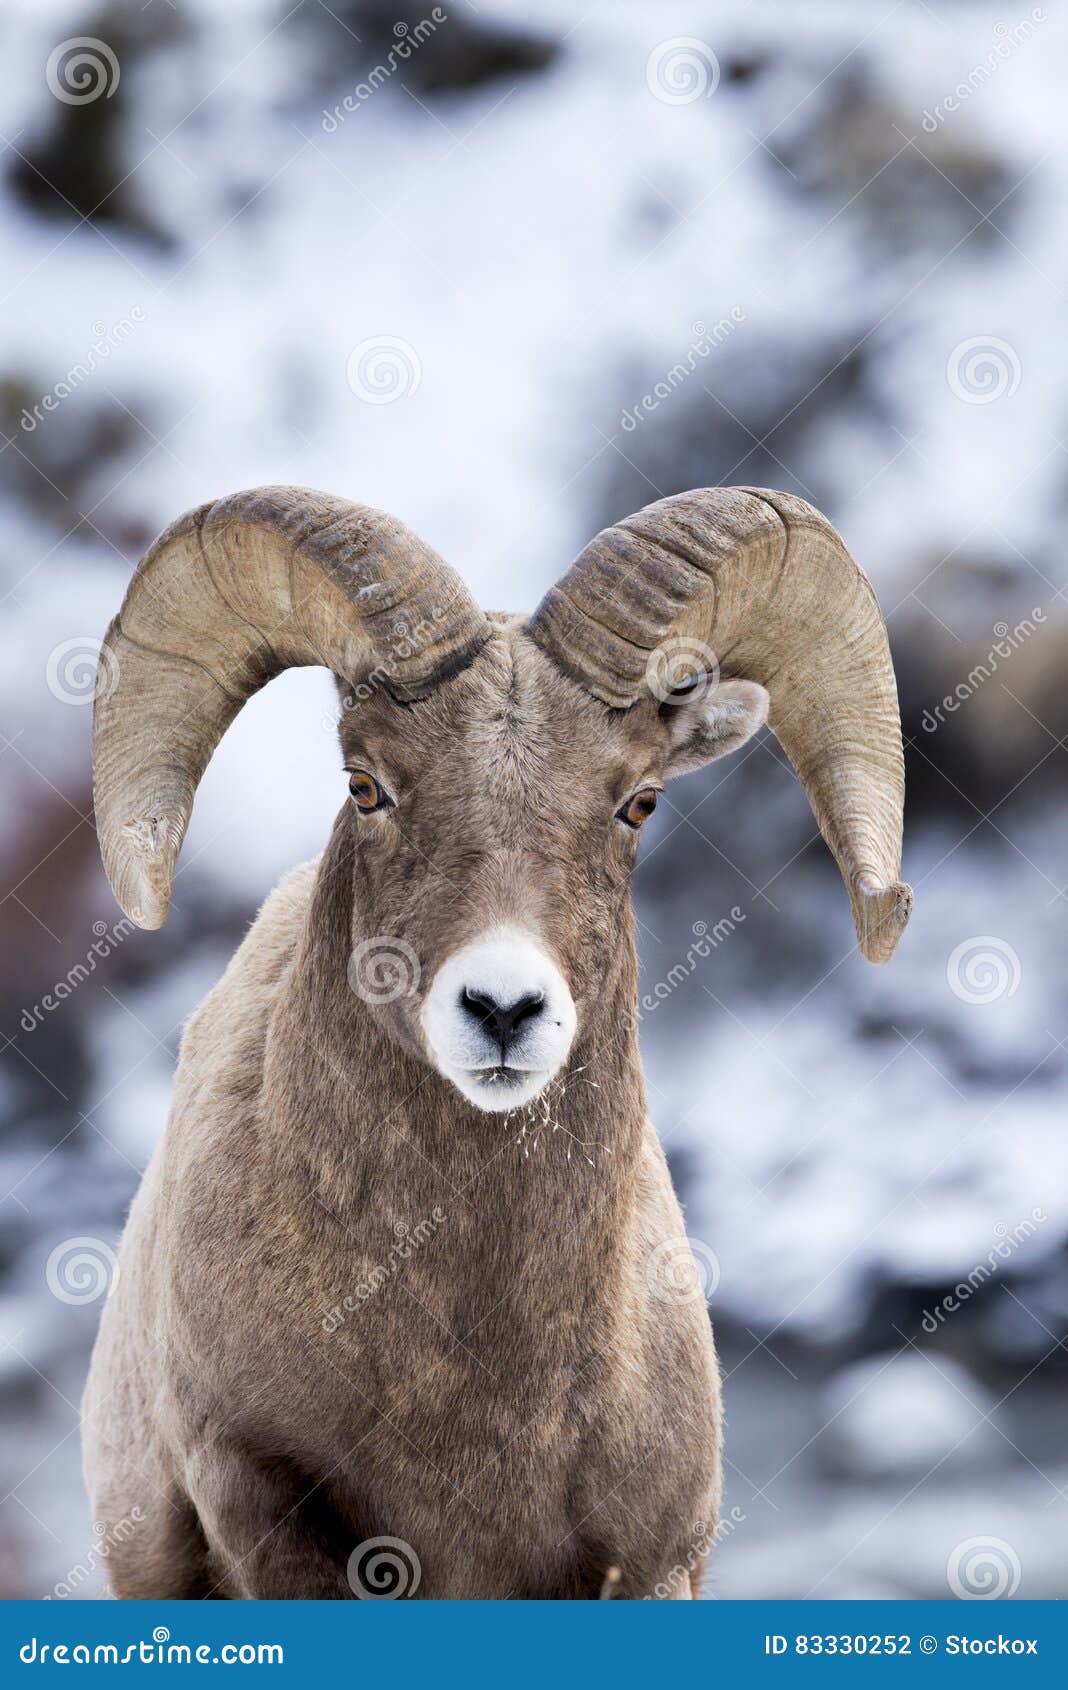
x: 711, y: 719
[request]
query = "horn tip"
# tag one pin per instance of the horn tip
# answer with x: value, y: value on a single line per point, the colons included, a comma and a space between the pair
x: 881, y: 914
x: 143, y: 903
x: 151, y: 919
x: 140, y: 868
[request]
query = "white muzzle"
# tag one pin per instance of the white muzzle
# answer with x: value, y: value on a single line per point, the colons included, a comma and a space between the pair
x: 499, y: 1019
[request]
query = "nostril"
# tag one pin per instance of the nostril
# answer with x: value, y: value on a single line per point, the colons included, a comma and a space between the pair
x: 526, y: 1009
x: 500, y: 1021
x: 480, y: 1005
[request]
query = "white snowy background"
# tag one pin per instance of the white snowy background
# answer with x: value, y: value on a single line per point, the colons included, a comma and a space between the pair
x: 547, y: 211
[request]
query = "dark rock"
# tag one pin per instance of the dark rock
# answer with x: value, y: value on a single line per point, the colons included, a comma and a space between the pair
x: 461, y: 53
x: 876, y: 164
x: 80, y: 166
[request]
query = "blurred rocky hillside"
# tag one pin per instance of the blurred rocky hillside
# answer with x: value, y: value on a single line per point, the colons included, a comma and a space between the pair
x: 513, y: 275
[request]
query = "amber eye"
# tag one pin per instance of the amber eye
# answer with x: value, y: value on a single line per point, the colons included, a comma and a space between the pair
x: 636, y: 809
x: 366, y: 792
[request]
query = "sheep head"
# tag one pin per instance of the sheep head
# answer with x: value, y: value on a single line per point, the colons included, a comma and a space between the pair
x: 500, y: 771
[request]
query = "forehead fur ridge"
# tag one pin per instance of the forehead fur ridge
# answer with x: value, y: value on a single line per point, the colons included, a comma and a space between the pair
x: 511, y: 709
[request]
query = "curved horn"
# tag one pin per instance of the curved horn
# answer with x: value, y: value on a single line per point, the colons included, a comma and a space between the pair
x: 227, y: 597
x: 765, y: 582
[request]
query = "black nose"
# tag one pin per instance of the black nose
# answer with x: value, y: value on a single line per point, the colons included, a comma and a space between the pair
x: 501, y: 1020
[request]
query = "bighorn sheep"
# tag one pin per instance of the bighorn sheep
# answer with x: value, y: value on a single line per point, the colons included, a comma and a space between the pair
x: 515, y: 1408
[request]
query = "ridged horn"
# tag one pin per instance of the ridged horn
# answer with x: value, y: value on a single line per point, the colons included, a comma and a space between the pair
x: 227, y: 597
x: 762, y: 582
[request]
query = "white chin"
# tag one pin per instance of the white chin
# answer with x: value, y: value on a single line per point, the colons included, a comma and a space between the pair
x: 497, y: 1093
